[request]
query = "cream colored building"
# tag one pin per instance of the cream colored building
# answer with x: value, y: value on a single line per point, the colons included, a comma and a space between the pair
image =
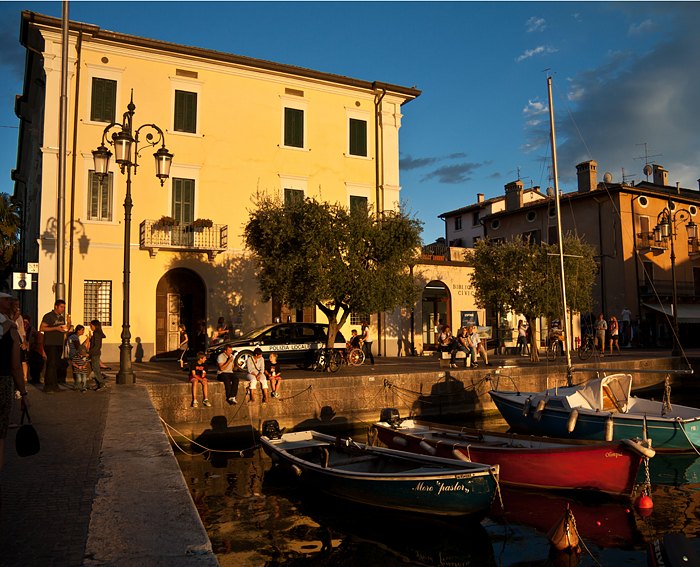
x: 235, y: 125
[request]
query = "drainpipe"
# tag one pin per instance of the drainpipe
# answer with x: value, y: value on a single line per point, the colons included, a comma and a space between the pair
x: 62, y: 147
x: 78, y: 49
x: 379, y: 197
x: 603, y: 303
x: 637, y: 259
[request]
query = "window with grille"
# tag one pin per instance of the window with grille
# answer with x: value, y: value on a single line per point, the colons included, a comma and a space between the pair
x: 358, y: 318
x: 292, y: 196
x: 358, y: 205
x: 185, y: 112
x: 99, y: 197
x: 98, y: 302
x: 103, y: 103
x: 293, y: 127
x: 358, y: 137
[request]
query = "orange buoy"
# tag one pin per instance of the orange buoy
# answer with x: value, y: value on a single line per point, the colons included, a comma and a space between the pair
x: 644, y: 502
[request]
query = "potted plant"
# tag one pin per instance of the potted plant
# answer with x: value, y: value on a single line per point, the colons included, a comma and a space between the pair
x: 202, y: 223
x: 164, y: 222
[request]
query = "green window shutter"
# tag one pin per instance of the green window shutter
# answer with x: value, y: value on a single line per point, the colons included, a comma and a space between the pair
x: 292, y: 196
x: 183, y: 200
x: 104, y: 100
x: 358, y: 205
x: 294, y: 127
x: 99, y: 197
x: 185, y: 112
x: 358, y: 137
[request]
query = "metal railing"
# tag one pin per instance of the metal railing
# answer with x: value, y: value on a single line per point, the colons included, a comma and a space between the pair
x: 646, y: 240
x: 153, y: 236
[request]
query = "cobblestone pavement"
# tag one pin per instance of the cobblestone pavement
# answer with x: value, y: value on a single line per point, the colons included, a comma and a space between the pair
x: 46, y: 499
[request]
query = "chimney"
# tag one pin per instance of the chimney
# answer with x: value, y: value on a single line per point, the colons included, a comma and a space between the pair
x: 587, y: 173
x: 660, y: 175
x: 479, y: 197
x: 514, y: 195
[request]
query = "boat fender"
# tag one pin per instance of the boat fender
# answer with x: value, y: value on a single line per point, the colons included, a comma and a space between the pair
x: 399, y: 441
x: 563, y: 535
x: 526, y: 407
x: 609, y: 428
x: 457, y: 454
x: 644, y: 502
x: 296, y: 470
x: 427, y: 447
x: 573, y: 418
x: 540, y: 408
x: 641, y: 447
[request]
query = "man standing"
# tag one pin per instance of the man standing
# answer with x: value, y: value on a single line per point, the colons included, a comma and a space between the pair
x: 601, y: 325
x: 11, y: 377
x: 54, y: 327
x: 626, y: 320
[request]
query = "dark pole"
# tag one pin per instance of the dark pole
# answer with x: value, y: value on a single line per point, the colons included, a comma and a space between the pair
x: 675, y: 351
x: 126, y: 374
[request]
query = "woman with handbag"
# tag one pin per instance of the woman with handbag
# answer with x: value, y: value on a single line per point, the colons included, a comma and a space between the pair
x: 11, y: 375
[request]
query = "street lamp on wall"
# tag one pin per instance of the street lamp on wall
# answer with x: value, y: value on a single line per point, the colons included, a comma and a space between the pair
x: 666, y: 230
x: 127, y: 143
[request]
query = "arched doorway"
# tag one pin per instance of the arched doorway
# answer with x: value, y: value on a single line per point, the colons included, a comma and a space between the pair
x: 180, y: 298
x: 437, y: 310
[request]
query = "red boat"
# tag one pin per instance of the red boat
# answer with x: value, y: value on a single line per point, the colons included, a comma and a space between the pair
x: 525, y: 461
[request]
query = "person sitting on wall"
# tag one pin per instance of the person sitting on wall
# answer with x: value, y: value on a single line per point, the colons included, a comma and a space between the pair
x: 445, y: 339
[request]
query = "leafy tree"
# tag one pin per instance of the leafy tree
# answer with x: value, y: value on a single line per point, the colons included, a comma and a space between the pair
x: 523, y: 277
x: 319, y: 254
x: 10, y: 220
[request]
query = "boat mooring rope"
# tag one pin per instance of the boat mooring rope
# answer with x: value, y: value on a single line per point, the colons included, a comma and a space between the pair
x: 168, y: 427
x: 681, y: 425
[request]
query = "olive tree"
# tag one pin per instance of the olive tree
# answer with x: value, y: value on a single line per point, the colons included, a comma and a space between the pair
x: 320, y: 254
x: 523, y: 277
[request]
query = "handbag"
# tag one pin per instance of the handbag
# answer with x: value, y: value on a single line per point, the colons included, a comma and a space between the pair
x: 27, y: 440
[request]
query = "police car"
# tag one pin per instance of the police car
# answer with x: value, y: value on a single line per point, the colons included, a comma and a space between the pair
x: 294, y: 343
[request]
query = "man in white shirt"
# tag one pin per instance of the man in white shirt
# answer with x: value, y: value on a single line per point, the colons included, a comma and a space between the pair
x: 477, y: 345
x: 256, y: 373
x: 227, y: 375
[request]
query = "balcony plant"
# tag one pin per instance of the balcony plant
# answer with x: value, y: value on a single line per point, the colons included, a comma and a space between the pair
x: 164, y: 222
x: 202, y: 223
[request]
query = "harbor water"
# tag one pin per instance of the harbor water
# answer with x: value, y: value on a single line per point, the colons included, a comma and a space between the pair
x: 255, y: 515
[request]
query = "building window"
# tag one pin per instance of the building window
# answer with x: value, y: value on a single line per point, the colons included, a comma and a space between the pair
x: 99, y: 197
x: 183, y: 200
x: 98, y: 302
x: 552, y: 235
x: 103, y: 103
x: 293, y: 127
x: 696, y: 280
x: 458, y: 223
x: 643, y: 201
x: 292, y: 196
x: 358, y: 318
x: 648, y: 276
x: 531, y: 216
x: 476, y: 217
x: 358, y: 205
x: 358, y: 137
x: 533, y: 236
x: 185, y: 112
x: 495, y: 224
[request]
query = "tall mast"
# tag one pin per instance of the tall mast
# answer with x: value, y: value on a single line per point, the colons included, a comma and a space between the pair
x: 565, y: 320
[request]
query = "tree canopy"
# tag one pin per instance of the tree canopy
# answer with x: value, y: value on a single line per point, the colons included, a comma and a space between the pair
x: 320, y: 254
x: 10, y: 220
x: 523, y: 277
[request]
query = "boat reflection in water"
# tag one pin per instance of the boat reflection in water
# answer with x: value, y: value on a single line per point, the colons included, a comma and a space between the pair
x: 255, y: 517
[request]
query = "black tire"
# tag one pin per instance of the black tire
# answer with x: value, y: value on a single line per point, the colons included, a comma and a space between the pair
x: 241, y: 359
x: 585, y: 352
x: 552, y: 352
x: 335, y: 361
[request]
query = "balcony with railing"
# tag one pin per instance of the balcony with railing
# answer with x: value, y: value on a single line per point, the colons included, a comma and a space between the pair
x: 664, y: 288
x: 646, y: 241
x: 155, y: 236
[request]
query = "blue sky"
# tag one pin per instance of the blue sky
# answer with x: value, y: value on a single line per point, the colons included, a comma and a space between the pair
x: 625, y: 74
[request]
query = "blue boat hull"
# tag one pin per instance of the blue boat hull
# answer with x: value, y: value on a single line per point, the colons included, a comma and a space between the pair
x: 666, y: 434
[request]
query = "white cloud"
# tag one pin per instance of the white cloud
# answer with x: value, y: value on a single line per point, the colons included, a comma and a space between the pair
x: 535, y: 24
x: 642, y: 28
x: 539, y: 50
x: 535, y: 108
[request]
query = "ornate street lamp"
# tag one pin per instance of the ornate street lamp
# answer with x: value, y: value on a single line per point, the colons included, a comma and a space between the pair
x: 127, y: 146
x: 666, y: 230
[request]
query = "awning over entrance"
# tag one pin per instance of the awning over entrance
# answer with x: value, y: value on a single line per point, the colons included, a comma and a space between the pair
x: 686, y: 313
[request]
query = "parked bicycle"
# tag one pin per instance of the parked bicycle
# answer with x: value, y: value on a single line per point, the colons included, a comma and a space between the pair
x: 587, y: 347
x: 328, y: 360
x: 554, y: 349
